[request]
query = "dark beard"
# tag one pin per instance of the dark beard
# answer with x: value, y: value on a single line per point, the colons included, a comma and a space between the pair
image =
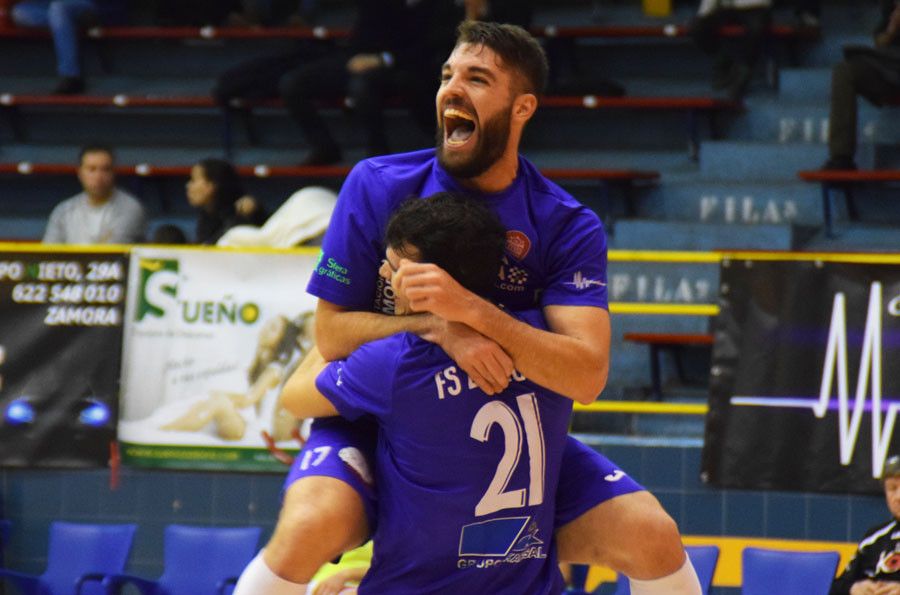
x: 491, y: 144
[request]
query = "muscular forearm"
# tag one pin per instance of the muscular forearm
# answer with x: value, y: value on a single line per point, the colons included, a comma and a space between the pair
x: 565, y: 364
x: 340, y: 332
x: 299, y: 394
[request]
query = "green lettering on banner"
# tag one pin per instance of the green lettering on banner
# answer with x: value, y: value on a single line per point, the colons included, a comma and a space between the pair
x: 158, y: 278
x: 210, y: 458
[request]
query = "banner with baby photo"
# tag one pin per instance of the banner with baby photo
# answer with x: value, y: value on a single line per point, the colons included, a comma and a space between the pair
x: 210, y: 336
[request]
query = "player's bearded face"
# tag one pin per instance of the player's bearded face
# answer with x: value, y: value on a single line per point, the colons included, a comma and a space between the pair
x: 466, y: 146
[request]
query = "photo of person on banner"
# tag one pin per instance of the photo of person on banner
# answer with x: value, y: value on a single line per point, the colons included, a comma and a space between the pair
x: 281, y: 345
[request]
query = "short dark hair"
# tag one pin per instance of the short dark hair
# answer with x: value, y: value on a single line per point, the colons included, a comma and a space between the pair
x: 518, y: 49
x: 229, y: 187
x: 95, y: 148
x: 456, y: 232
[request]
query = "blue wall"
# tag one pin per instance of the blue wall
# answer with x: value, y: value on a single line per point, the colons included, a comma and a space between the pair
x: 153, y: 499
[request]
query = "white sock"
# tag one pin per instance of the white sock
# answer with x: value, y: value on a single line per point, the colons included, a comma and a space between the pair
x: 681, y: 582
x: 258, y: 578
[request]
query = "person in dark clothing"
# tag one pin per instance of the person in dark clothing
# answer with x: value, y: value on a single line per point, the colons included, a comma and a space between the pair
x: 66, y: 19
x: 875, y: 568
x: 736, y: 59
x: 873, y: 73
x: 215, y: 189
x: 394, y: 44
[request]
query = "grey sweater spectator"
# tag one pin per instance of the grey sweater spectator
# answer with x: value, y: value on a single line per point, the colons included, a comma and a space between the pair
x: 101, y: 213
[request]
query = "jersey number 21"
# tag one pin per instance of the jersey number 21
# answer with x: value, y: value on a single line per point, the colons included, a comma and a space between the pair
x: 497, y: 412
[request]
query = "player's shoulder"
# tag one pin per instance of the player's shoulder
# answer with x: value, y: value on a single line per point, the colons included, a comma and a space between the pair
x: 387, y: 179
x: 551, y: 199
x: 398, y: 167
x: 879, y: 531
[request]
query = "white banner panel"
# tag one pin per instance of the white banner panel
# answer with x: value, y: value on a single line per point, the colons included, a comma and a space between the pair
x: 210, y: 336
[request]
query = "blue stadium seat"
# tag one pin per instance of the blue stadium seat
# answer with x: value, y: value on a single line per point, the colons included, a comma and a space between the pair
x: 197, y: 561
x: 78, y: 557
x: 784, y: 572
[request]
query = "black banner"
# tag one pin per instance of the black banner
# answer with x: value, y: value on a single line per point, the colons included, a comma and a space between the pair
x: 60, y: 356
x: 804, y: 382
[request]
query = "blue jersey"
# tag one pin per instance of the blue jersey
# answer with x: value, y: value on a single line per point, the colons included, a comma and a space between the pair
x: 555, y: 250
x: 466, y: 482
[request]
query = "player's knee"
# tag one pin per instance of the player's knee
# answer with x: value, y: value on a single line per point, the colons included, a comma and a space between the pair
x: 661, y: 552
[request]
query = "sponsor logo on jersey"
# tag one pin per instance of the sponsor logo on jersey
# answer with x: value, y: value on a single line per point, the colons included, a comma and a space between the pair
x: 614, y: 476
x: 517, y: 244
x: 331, y: 268
x: 508, y: 540
x: 512, y: 277
x: 579, y: 281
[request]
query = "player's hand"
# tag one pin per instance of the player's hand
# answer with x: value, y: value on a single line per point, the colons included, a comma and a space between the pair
x: 885, y: 588
x: 361, y: 63
x: 866, y: 587
x: 429, y: 288
x: 481, y: 359
x: 332, y: 585
x: 246, y: 206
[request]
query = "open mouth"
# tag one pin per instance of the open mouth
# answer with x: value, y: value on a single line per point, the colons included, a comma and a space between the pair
x: 458, y: 127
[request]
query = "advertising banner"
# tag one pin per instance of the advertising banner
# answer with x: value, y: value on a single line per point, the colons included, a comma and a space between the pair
x: 61, y: 315
x: 804, y: 383
x: 210, y: 337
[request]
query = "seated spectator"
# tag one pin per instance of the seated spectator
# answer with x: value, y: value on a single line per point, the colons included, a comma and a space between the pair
x: 102, y: 213
x: 393, y: 44
x: 873, y: 73
x: 808, y: 12
x: 515, y: 12
x: 255, y: 13
x: 873, y: 570
x: 216, y: 190
x: 168, y: 234
x: 734, y: 61
x: 66, y: 19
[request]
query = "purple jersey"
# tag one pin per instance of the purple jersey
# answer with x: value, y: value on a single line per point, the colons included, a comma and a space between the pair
x: 466, y: 482
x: 555, y: 249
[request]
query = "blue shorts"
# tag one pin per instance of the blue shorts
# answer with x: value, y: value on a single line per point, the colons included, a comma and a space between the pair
x: 587, y: 479
x: 345, y: 450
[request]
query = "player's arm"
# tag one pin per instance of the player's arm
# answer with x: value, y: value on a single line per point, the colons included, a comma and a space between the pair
x: 340, y: 331
x: 300, y: 395
x: 572, y: 358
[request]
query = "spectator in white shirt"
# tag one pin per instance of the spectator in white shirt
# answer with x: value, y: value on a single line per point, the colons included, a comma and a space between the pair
x: 101, y: 213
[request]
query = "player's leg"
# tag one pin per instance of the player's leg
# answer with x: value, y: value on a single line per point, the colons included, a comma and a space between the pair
x: 604, y: 517
x: 328, y: 508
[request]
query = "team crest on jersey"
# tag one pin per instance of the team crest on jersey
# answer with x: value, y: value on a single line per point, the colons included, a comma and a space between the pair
x: 517, y: 244
x: 888, y: 563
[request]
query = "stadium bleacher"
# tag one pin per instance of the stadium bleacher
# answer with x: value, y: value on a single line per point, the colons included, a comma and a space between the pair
x: 670, y: 166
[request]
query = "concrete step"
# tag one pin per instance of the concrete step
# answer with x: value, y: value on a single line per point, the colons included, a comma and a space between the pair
x: 849, y: 236
x: 757, y: 161
x: 638, y: 234
x: 804, y: 84
x: 733, y: 203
